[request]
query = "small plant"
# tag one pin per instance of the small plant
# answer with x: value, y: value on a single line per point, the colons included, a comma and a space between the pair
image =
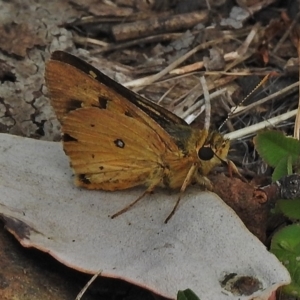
x: 279, y: 151
x: 187, y: 295
x: 286, y: 246
x: 283, y: 154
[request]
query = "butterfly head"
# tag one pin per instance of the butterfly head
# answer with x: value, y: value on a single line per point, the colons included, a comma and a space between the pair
x: 213, y: 151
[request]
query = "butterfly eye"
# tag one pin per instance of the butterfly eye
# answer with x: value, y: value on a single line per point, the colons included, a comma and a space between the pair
x: 206, y: 153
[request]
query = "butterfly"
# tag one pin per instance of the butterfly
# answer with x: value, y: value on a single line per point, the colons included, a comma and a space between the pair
x: 116, y: 139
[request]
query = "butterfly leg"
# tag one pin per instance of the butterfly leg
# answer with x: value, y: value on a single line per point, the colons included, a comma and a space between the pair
x: 149, y: 190
x: 204, y: 181
x: 130, y: 205
x: 156, y: 179
x: 186, y: 182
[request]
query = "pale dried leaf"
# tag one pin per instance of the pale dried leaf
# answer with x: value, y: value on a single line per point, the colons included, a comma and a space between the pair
x: 202, y: 243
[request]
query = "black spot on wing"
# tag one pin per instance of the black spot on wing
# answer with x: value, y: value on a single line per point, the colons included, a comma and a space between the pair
x: 68, y: 138
x: 119, y: 143
x: 128, y: 114
x: 73, y: 104
x: 83, y: 178
x: 103, y: 102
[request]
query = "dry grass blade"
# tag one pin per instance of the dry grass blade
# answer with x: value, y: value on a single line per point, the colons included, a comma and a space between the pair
x: 244, y: 52
x: 284, y: 92
x: 79, y: 296
x: 247, y: 97
x: 159, y: 38
x: 206, y: 102
x: 286, y: 34
x: 138, y: 83
x: 89, y: 41
x: 199, y: 65
x: 195, y: 110
x: 245, y: 46
x: 250, y: 130
x: 297, y: 121
x: 166, y: 93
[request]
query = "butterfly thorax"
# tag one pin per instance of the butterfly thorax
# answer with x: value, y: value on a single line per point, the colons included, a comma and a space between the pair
x: 189, y: 142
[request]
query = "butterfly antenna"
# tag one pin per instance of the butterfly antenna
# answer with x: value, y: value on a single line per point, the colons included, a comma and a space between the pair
x: 247, y: 97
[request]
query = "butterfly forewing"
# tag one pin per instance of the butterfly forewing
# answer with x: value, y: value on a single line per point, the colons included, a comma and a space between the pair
x: 105, y: 154
x: 79, y: 90
x: 153, y: 110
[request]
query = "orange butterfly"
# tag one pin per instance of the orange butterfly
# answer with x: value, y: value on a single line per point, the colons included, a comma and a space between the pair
x: 116, y: 139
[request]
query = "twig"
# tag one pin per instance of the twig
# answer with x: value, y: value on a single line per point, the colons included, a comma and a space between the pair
x: 297, y: 121
x: 166, y: 93
x: 285, y: 35
x: 87, y: 285
x: 256, y: 127
x: 286, y: 91
x: 190, y: 114
x: 150, y: 79
x: 206, y: 102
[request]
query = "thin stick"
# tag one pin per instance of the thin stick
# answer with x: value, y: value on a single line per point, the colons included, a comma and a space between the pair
x: 150, y: 79
x: 262, y: 125
x: 195, y: 110
x: 87, y: 285
x: 247, y: 97
x: 206, y: 102
x: 166, y: 93
x: 297, y: 121
x: 286, y: 34
x: 285, y: 91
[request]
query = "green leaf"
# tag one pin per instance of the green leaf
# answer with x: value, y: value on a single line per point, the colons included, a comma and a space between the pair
x: 290, y: 208
x: 273, y: 146
x: 286, y: 246
x: 289, y: 235
x: 281, y: 169
x: 187, y: 295
x: 290, y: 163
